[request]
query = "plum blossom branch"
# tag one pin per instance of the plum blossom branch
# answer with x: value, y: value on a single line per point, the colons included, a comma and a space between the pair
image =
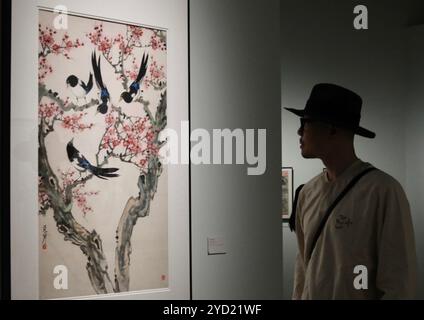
x: 127, y: 138
x: 158, y: 40
x: 63, y: 104
x: 44, y: 203
x: 135, y: 37
x: 156, y: 77
x: 73, y: 184
x: 131, y: 139
x: 48, y: 43
x: 60, y: 194
x: 89, y: 242
x: 51, y: 113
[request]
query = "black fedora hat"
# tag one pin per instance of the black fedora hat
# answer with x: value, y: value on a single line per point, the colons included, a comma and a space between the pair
x: 335, y: 105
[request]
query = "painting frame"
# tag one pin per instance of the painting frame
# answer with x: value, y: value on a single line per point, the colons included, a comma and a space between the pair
x: 287, y: 181
x: 165, y: 14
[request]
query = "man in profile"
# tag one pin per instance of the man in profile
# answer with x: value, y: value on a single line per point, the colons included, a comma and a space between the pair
x: 353, y: 221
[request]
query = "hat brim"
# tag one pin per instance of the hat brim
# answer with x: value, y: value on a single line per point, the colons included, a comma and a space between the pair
x: 359, y: 130
x: 364, y: 133
x: 298, y: 112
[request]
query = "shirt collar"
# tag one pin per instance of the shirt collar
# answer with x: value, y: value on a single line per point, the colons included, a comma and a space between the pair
x: 347, y: 173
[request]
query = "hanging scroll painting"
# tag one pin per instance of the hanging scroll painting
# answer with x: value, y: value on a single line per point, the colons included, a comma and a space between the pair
x: 103, y: 189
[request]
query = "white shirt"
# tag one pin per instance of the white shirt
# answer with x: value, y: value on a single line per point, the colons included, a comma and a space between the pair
x: 370, y: 227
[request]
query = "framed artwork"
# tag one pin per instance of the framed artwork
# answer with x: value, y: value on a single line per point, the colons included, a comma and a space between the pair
x: 109, y: 208
x: 287, y: 192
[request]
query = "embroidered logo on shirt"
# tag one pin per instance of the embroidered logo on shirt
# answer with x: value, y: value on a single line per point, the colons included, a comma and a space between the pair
x: 342, y: 221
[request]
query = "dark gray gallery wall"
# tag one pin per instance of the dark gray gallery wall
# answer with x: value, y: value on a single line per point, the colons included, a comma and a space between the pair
x: 235, y: 83
x: 319, y: 44
x: 414, y: 139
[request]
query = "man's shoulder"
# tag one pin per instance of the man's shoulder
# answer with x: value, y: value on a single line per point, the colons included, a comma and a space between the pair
x: 376, y: 178
x: 382, y: 180
x: 314, y: 183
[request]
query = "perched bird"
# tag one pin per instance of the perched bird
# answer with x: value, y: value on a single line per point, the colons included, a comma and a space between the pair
x: 104, y: 93
x: 78, y: 87
x: 135, y: 86
x: 80, y: 162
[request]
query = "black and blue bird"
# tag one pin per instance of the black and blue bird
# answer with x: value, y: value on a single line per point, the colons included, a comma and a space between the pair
x: 134, y: 89
x: 82, y: 164
x: 104, y: 93
x: 78, y: 87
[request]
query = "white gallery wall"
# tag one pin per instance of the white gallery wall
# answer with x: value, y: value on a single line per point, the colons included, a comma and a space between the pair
x: 319, y: 44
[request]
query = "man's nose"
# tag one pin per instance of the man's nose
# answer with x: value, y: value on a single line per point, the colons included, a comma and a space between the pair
x: 300, y: 131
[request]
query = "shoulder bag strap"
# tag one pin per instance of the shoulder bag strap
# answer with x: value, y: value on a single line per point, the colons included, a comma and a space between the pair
x: 333, y: 205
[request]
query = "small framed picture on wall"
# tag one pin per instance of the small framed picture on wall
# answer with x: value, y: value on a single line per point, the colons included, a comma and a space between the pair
x: 287, y: 192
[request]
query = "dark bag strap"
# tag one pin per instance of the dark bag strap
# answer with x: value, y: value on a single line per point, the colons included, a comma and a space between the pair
x: 292, y: 219
x: 334, y: 204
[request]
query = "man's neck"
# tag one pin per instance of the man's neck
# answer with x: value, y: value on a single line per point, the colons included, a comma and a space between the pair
x: 338, y: 164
